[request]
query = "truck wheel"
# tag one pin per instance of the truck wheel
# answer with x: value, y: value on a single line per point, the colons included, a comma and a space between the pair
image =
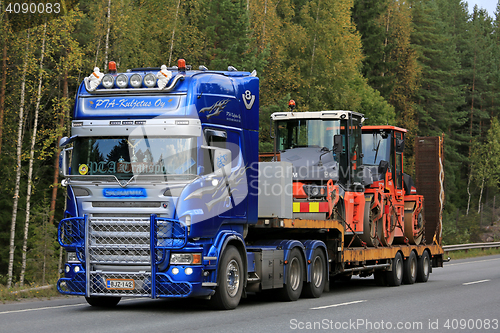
x: 395, y: 277
x: 229, y: 281
x: 410, y: 269
x: 294, y: 277
x: 103, y: 302
x: 423, y: 267
x: 315, y: 288
x: 380, y: 278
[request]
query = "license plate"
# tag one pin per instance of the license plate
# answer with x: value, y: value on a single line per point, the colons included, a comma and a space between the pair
x: 120, y: 284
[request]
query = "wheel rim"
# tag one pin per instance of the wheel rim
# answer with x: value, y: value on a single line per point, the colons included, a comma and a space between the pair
x: 426, y: 265
x: 294, y: 274
x: 399, y: 269
x: 317, y: 272
x: 233, y: 278
x: 413, y: 268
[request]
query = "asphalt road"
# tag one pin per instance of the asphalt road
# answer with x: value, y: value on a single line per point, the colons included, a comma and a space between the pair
x: 464, y: 296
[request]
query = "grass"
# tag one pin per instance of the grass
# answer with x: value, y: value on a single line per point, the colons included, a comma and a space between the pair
x: 454, y: 255
x: 27, y: 292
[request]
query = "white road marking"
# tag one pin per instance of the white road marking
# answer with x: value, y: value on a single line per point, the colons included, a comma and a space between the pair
x: 56, y: 307
x: 474, y: 282
x: 45, y: 308
x: 472, y: 262
x: 340, y: 304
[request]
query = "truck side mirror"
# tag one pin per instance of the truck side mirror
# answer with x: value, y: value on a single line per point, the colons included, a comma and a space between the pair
x: 221, y: 160
x: 383, y: 167
x: 400, y: 145
x: 64, y: 162
x: 337, y: 144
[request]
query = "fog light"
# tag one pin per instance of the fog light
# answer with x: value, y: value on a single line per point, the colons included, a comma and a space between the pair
x: 108, y: 81
x: 76, y: 269
x: 136, y: 81
x: 188, y: 271
x: 175, y: 271
x: 150, y: 80
x: 121, y: 81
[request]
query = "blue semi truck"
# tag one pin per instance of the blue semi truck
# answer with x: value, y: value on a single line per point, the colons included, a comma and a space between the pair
x: 166, y: 196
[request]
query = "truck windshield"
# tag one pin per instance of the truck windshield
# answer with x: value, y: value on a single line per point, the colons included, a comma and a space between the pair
x: 307, y: 133
x: 125, y: 157
x: 376, y: 147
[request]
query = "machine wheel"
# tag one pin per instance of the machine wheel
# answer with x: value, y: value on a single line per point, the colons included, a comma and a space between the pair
x: 410, y: 269
x: 423, y: 267
x: 370, y: 226
x: 229, y: 281
x: 414, y: 229
x: 319, y: 276
x: 103, y: 302
x: 395, y: 277
x: 386, y: 233
x: 294, y: 277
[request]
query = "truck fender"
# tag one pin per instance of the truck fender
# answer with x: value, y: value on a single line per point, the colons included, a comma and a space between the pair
x: 310, y: 246
x: 221, y: 242
x: 287, y: 246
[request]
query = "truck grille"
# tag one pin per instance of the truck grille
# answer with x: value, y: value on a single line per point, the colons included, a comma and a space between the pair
x: 119, y: 241
x: 117, y: 255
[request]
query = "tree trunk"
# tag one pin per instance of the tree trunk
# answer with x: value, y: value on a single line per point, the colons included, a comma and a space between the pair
x: 107, y: 38
x: 173, y: 33
x: 18, y: 171
x: 468, y: 194
x: 32, y: 156
x: 480, y: 196
x: 315, y: 36
x: 55, y: 183
x: 3, y: 86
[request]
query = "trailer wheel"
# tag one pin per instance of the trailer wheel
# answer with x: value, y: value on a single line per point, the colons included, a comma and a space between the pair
x: 395, y: 277
x: 315, y: 288
x: 103, y: 302
x: 423, y: 267
x: 229, y: 281
x: 410, y: 269
x: 294, y: 277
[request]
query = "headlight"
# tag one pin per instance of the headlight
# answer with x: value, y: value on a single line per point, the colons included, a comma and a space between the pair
x: 136, y: 81
x: 150, y: 80
x: 314, y: 191
x: 185, y: 258
x: 108, y: 81
x: 122, y: 81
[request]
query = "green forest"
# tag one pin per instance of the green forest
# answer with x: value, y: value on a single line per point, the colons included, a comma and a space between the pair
x: 425, y: 65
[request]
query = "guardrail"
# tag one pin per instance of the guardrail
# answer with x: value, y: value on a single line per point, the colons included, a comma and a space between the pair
x: 466, y: 247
